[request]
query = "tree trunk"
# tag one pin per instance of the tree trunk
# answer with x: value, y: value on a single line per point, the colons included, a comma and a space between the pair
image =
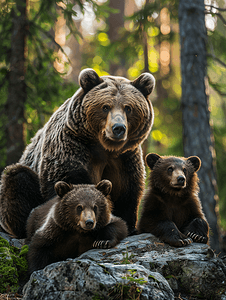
x: 116, y: 21
x: 197, y: 135
x: 14, y: 107
x: 146, y: 69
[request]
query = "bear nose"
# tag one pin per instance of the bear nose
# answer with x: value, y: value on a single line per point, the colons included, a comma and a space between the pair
x: 181, y: 180
x: 89, y: 224
x: 118, y: 130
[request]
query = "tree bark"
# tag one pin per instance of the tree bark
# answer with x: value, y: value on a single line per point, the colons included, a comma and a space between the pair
x: 197, y: 135
x: 14, y: 107
x: 116, y: 21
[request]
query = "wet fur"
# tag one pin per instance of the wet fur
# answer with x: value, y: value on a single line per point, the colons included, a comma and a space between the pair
x: 174, y: 214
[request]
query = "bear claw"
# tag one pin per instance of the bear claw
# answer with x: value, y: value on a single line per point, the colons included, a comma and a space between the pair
x: 185, y: 242
x: 101, y: 244
x: 196, y: 237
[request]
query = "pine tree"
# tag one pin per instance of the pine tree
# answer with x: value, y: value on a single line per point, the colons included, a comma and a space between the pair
x: 197, y: 135
x: 14, y: 106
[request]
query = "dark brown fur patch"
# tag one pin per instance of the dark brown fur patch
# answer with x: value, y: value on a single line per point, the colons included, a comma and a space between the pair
x: 18, y: 183
x: 172, y: 210
x: 97, y: 134
x: 70, y: 224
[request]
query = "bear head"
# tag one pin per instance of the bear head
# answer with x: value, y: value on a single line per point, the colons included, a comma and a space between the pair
x: 116, y: 111
x: 173, y: 175
x: 83, y: 207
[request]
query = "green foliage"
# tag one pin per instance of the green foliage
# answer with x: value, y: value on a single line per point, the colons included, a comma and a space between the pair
x: 132, y: 277
x: 127, y: 259
x: 125, y: 291
x: 151, y: 276
x: 102, y: 11
x: 13, y: 266
x: 119, y: 292
x: 46, y: 88
x: 216, y: 47
x: 220, y: 146
x: 128, y: 49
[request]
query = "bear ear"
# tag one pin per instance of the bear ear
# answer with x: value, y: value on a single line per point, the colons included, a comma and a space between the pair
x: 62, y: 188
x: 145, y: 83
x: 195, y: 161
x: 104, y: 186
x: 151, y: 159
x: 88, y: 79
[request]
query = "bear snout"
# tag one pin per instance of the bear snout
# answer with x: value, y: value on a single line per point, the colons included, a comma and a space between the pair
x: 89, y: 224
x: 116, y: 126
x: 119, y: 130
x: 87, y: 219
x: 178, y: 180
x: 181, y: 180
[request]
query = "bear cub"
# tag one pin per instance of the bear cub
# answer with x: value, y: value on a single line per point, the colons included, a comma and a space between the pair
x: 172, y: 209
x: 77, y: 219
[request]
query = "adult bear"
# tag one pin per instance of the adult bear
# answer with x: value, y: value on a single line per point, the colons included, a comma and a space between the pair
x: 96, y: 134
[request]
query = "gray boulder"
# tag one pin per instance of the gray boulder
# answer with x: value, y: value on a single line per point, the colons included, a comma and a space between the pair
x: 140, y: 267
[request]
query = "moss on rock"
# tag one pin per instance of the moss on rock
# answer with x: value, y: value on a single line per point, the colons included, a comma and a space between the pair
x: 13, y: 266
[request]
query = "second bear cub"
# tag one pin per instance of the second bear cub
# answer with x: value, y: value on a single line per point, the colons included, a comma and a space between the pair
x: 171, y: 209
x: 77, y: 219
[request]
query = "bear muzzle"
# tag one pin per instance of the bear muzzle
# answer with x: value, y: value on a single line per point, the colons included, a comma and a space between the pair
x: 116, y: 126
x: 119, y: 130
x: 89, y: 224
x: 87, y: 219
x: 178, y: 180
x: 181, y: 180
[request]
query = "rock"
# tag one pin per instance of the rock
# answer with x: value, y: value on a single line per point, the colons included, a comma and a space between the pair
x: 140, y: 267
x: 85, y: 279
x: 12, y: 241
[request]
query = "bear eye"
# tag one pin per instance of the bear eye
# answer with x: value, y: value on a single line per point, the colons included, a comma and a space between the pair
x: 106, y: 108
x: 128, y: 109
x: 170, y: 169
x: 79, y: 208
x: 95, y: 209
x: 185, y: 171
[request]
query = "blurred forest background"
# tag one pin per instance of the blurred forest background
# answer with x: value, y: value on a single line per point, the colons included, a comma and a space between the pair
x: 45, y: 44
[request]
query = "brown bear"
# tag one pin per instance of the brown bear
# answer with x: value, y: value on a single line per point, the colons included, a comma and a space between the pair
x: 18, y: 183
x: 171, y: 207
x: 77, y: 219
x: 96, y: 134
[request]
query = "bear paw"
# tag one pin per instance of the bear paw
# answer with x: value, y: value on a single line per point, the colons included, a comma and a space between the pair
x: 185, y: 242
x: 176, y: 241
x: 101, y: 244
x: 197, y: 238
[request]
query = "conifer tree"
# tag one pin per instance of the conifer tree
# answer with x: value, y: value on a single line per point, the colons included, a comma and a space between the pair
x: 197, y: 135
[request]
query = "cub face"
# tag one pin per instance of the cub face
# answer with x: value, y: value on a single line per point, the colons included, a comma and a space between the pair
x: 172, y: 173
x: 117, y: 110
x: 83, y: 207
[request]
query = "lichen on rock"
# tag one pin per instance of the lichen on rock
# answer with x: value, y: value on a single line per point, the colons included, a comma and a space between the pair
x: 141, y: 265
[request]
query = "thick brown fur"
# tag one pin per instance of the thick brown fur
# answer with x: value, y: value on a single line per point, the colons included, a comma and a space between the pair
x: 18, y: 183
x: 77, y: 219
x: 96, y: 134
x: 172, y: 209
